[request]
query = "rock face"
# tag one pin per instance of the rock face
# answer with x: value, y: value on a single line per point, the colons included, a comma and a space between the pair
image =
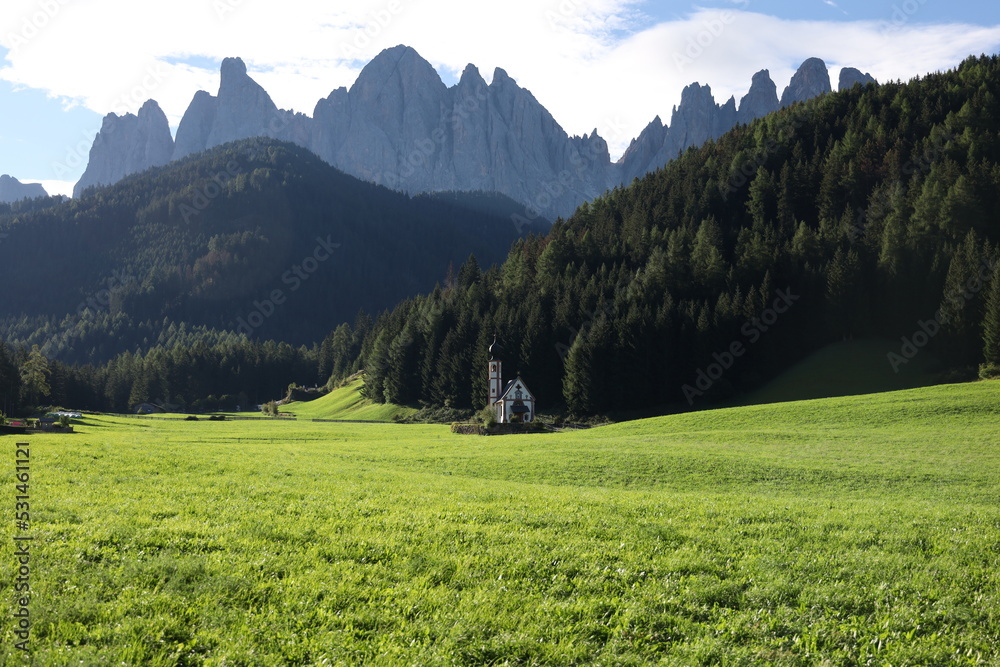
x: 761, y: 100
x: 196, y: 125
x: 696, y: 120
x: 811, y: 80
x: 399, y: 125
x: 850, y: 77
x: 241, y: 110
x: 12, y: 190
x: 126, y: 145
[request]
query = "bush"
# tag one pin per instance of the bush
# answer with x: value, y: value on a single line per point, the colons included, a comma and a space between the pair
x: 487, y: 416
x: 435, y: 415
x: 989, y: 371
x: 467, y: 429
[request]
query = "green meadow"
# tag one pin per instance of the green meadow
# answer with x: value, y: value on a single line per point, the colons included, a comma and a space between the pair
x: 846, y: 531
x: 347, y: 403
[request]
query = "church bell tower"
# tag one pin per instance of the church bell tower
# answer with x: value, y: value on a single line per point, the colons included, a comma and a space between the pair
x: 496, y: 372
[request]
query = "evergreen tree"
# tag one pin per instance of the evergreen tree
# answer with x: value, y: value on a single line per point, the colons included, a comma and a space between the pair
x: 35, y: 376
x: 843, y: 292
x: 10, y: 381
x: 991, y: 322
x: 707, y: 263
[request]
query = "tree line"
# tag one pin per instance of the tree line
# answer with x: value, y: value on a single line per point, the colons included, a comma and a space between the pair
x: 232, y: 373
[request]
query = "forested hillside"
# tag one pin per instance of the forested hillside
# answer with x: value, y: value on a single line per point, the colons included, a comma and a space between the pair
x: 256, y: 237
x: 872, y: 212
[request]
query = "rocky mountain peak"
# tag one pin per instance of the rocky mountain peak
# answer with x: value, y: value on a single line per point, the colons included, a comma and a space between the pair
x: 12, y: 190
x: 401, y: 66
x: 126, y: 145
x: 850, y: 77
x: 244, y: 109
x: 811, y: 80
x: 761, y: 99
x: 471, y: 77
x: 501, y: 78
x: 196, y: 125
x: 232, y: 68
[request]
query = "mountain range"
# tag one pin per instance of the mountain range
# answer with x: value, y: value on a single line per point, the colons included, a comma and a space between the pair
x: 400, y: 126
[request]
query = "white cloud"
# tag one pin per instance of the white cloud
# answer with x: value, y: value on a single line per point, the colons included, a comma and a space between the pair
x: 57, y: 187
x: 590, y: 62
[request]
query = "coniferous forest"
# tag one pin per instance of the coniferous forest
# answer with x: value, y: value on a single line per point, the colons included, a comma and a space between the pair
x: 871, y: 213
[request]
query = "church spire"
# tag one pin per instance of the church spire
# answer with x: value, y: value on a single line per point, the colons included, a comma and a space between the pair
x: 495, y: 348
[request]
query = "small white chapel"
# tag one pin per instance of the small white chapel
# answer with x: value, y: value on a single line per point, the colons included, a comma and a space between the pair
x: 514, y: 403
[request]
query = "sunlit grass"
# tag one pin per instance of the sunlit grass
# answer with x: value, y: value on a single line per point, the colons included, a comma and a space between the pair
x: 845, y: 531
x: 347, y: 403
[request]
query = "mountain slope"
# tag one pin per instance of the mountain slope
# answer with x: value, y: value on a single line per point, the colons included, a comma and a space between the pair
x: 256, y: 236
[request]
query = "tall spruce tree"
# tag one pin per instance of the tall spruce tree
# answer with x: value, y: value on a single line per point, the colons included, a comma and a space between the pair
x: 35, y: 376
x: 991, y: 322
x: 10, y: 381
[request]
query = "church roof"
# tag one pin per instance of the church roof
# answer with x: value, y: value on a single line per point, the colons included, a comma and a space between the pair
x: 510, y: 386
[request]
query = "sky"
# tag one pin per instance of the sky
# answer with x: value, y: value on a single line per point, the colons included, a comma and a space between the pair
x: 610, y: 65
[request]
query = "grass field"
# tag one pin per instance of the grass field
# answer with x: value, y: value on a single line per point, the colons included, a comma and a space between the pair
x: 347, y: 403
x: 845, y: 531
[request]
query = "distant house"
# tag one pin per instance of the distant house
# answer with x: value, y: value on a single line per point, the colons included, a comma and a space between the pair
x: 48, y: 422
x: 148, y: 409
x: 52, y: 422
x: 514, y: 403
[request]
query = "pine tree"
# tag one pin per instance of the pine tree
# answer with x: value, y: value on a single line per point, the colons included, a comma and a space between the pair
x: 991, y: 322
x: 35, y: 376
x: 578, y: 379
x: 707, y: 263
x: 10, y: 381
x: 843, y: 292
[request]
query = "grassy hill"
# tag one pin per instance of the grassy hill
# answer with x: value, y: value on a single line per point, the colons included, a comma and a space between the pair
x: 347, y: 403
x: 857, y: 530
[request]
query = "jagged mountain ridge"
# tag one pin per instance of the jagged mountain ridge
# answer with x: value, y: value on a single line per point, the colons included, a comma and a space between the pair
x: 399, y: 125
x: 12, y: 190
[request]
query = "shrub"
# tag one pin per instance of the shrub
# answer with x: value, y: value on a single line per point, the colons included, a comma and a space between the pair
x: 487, y: 416
x: 989, y: 371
